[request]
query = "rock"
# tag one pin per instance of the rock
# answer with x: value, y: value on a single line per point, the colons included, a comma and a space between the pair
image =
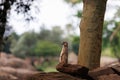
x: 14, y: 74
x: 72, y: 69
x: 13, y: 68
x: 109, y: 77
x: 116, y: 69
x: 53, y: 76
x: 100, y: 71
x: 7, y: 76
x: 14, y: 62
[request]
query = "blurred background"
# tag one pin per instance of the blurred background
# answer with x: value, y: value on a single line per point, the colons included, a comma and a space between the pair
x: 35, y: 37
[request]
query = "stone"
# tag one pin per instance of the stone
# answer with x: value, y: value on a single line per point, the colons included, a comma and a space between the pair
x: 72, y: 69
x: 116, y: 68
x: 100, y: 71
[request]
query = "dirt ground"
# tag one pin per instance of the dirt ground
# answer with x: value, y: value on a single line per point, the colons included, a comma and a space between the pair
x: 12, y: 68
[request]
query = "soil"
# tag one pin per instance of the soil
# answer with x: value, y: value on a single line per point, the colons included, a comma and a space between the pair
x: 11, y: 70
x: 102, y: 73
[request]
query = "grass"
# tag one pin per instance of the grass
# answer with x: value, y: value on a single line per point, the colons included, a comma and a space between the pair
x: 47, y: 66
x: 50, y: 69
x: 107, y: 52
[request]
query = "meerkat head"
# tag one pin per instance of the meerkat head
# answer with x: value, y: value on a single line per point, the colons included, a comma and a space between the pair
x: 65, y: 44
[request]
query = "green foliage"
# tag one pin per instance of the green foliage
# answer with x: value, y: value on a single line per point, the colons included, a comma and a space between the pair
x: 54, y: 35
x: 115, y: 44
x: 79, y: 14
x: 73, y: 1
x: 7, y: 46
x: 46, y: 48
x: 47, y: 66
x: 44, y: 33
x: 75, y: 44
x: 10, y: 42
x: 117, y: 14
x: 111, y: 38
x: 106, y: 35
x: 25, y: 44
x: 44, y: 43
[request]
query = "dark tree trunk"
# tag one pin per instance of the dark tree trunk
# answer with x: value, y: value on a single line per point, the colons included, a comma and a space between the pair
x: 3, y: 20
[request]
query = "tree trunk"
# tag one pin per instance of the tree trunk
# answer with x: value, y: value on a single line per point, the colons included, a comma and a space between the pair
x: 3, y: 20
x: 1, y: 37
x: 91, y: 33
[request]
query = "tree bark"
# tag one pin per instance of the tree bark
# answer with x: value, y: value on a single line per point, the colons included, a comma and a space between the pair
x: 3, y: 20
x: 91, y: 33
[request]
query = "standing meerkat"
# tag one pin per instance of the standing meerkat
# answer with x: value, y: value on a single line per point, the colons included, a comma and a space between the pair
x: 64, y: 53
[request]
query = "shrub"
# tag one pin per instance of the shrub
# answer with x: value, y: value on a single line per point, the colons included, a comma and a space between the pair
x: 46, y: 48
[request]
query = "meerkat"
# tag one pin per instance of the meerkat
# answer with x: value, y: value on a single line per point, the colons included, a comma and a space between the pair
x: 64, y: 53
